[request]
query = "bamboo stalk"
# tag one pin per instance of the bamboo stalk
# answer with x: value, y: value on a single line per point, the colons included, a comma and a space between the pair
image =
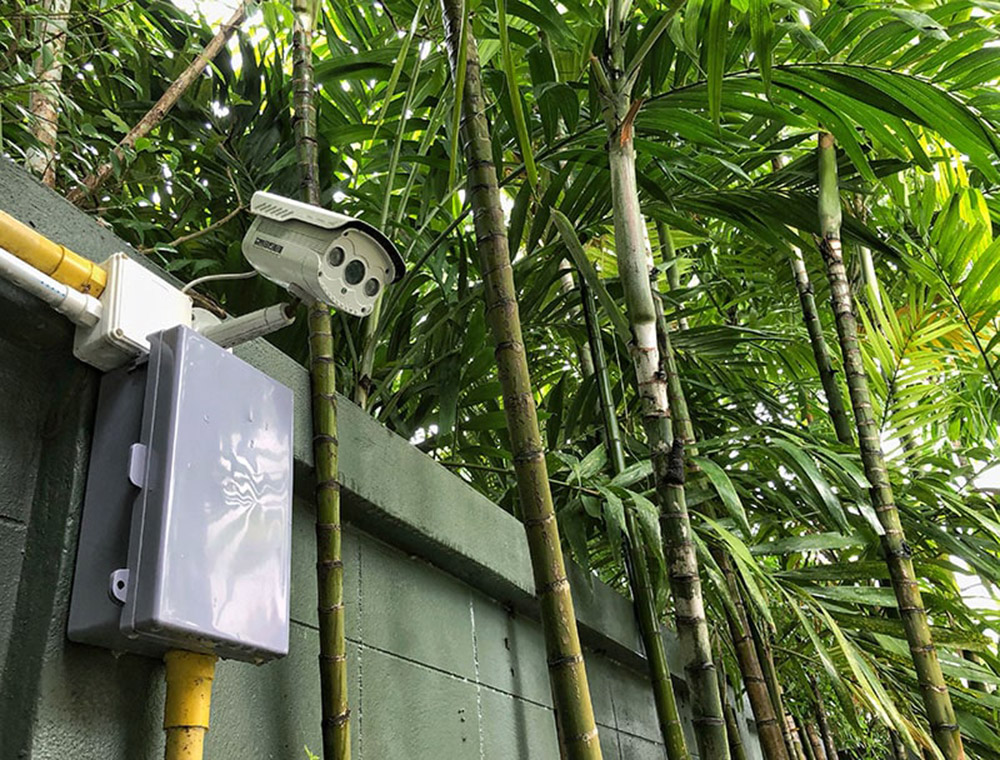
x: 821, y: 353
x: 643, y: 594
x: 807, y: 748
x: 336, y: 727
x: 826, y: 732
x: 567, y: 672
x: 304, y: 119
x: 667, y: 451
x: 765, y: 654
x: 937, y: 701
x: 44, y: 101
x: 329, y: 561
x: 669, y: 256
x: 92, y: 182
x: 733, y: 734
x: 867, y: 261
x: 772, y: 740
x: 736, y: 749
x: 817, y: 341
x: 768, y: 729
x: 815, y: 740
x: 898, y: 750
x: 567, y: 285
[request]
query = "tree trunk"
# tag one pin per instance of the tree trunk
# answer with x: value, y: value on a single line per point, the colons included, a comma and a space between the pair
x: 821, y: 353
x: 768, y: 729
x: 736, y: 749
x: 826, y: 732
x: 867, y: 262
x: 92, y: 182
x: 634, y: 268
x: 642, y: 589
x: 815, y: 740
x: 669, y: 257
x: 772, y: 740
x: 762, y: 646
x: 898, y: 749
x: 567, y: 285
x: 807, y: 746
x: 45, y: 96
x: 567, y: 672
x: 937, y: 701
x: 329, y: 561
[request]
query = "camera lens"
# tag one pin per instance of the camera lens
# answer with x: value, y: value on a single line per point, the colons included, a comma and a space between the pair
x: 336, y: 256
x: 371, y: 287
x: 355, y: 271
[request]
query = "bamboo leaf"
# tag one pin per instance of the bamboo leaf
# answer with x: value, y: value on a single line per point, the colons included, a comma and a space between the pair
x: 586, y: 269
x: 726, y: 490
x: 510, y: 71
x: 718, y: 35
x: 762, y: 36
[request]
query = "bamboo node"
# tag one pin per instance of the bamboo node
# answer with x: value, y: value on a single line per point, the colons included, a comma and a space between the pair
x: 535, y: 521
x: 931, y: 687
x: 570, y: 659
x: 674, y: 475
x: 508, y: 345
x: 333, y: 657
x: 330, y: 564
x: 337, y: 720
x: 501, y: 303
x: 484, y: 238
x: 477, y: 163
x: 559, y: 584
x: 528, y: 456
x: 330, y: 608
x: 326, y: 438
x: 586, y: 736
x: 689, y: 620
x: 708, y: 720
x: 328, y: 485
x: 903, y: 552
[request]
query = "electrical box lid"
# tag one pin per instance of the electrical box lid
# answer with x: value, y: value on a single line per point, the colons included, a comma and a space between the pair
x: 136, y: 302
x: 210, y: 544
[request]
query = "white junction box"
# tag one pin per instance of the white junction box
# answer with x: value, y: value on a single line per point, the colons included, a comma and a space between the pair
x: 136, y: 302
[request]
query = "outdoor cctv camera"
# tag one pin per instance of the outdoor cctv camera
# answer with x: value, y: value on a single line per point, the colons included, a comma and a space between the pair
x: 320, y: 255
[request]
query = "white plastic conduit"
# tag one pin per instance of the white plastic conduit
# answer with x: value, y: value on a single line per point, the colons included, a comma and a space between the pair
x: 80, y: 308
x: 256, y: 324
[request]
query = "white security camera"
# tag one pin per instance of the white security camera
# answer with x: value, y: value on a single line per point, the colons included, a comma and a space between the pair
x: 320, y: 255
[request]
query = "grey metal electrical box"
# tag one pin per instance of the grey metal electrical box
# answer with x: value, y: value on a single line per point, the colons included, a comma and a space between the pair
x: 185, y: 539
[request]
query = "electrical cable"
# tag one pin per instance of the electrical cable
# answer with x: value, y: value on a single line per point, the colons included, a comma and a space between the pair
x: 213, y: 277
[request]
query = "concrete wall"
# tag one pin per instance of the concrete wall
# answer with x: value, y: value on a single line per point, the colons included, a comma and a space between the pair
x: 446, y: 657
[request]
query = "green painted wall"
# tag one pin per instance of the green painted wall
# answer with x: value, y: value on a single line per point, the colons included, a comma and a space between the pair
x: 446, y: 657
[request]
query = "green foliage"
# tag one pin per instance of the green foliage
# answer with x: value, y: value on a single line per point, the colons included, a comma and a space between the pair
x: 909, y: 91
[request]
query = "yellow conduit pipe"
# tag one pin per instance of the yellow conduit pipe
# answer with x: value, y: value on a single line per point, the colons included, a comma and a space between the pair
x: 189, y: 700
x: 57, y: 261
